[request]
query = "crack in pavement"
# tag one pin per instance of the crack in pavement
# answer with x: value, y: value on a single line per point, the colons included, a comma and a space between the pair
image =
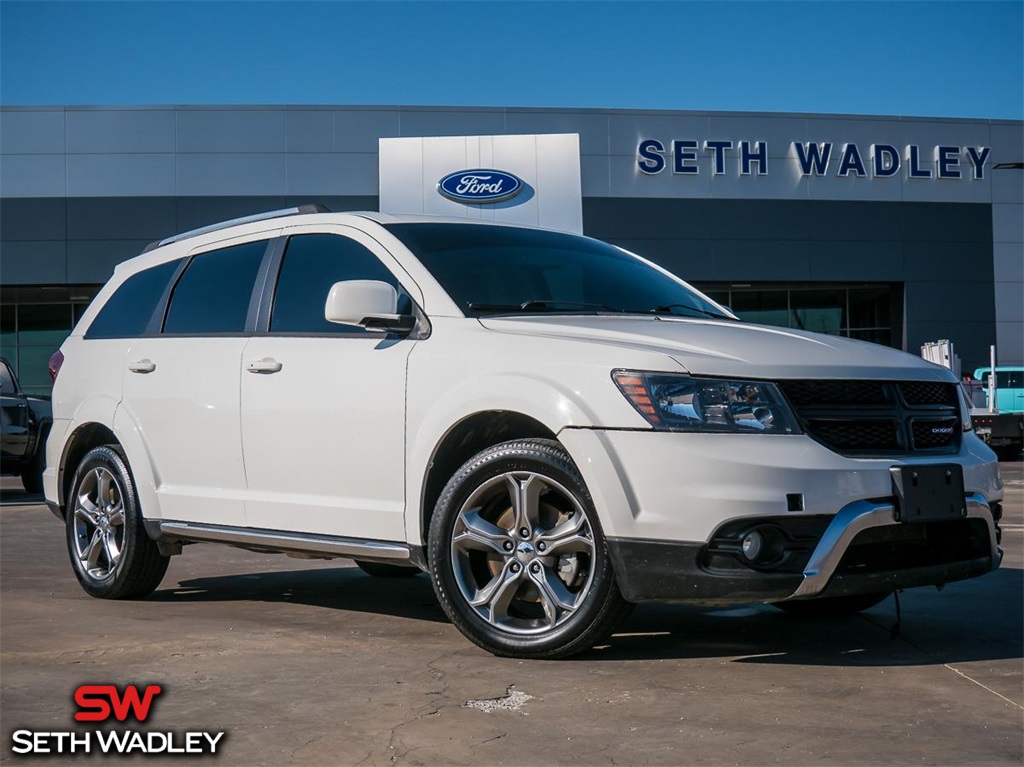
x: 984, y: 687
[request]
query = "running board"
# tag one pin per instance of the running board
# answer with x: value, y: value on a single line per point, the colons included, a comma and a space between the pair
x: 286, y: 542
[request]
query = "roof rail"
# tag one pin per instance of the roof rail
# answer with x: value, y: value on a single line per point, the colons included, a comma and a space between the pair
x: 298, y: 210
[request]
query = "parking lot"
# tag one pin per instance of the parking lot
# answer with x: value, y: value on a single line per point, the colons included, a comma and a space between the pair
x: 317, y: 663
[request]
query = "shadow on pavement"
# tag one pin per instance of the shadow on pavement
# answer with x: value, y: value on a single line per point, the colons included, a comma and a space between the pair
x: 980, y: 619
x: 338, y: 588
x: 976, y: 620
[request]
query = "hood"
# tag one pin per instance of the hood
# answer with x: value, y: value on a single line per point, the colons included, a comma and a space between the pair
x: 726, y: 348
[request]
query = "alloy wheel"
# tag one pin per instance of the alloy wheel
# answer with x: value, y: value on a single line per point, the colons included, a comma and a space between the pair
x: 99, y: 523
x: 522, y: 550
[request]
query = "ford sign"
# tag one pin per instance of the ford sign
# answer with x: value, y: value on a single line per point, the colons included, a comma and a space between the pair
x: 477, y: 187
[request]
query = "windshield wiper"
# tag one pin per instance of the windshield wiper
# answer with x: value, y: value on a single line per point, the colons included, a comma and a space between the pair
x: 541, y: 304
x: 667, y: 309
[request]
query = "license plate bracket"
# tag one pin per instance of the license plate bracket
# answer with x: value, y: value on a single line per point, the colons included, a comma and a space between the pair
x: 929, y: 493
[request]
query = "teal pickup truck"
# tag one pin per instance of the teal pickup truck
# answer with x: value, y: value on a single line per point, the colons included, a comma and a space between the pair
x: 1003, y: 429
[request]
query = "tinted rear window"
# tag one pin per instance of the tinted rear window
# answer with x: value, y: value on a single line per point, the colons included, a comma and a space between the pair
x: 213, y: 294
x: 127, y: 313
x: 312, y: 264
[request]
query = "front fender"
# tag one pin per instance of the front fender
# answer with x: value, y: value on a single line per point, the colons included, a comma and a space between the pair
x: 548, y: 401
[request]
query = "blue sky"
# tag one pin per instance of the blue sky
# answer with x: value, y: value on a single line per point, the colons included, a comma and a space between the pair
x: 915, y: 58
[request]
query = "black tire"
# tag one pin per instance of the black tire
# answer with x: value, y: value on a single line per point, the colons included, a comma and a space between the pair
x: 32, y: 476
x: 139, y: 566
x: 832, y: 607
x: 600, y: 608
x: 381, y: 570
x: 1007, y: 452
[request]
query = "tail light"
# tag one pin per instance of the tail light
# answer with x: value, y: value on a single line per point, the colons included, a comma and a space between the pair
x: 56, y: 360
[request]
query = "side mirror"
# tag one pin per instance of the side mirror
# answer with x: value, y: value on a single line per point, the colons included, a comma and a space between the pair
x: 371, y: 304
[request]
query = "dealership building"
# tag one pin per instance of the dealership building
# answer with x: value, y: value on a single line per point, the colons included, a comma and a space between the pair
x: 893, y: 230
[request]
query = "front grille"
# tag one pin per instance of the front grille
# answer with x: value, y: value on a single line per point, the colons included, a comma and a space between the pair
x: 835, y: 392
x: 925, y: 393
x: 863, y: 418
x: 931, y: 433
x: 857, y: 434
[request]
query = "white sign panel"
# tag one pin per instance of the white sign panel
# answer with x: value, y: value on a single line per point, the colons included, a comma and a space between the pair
x: 533, y: 179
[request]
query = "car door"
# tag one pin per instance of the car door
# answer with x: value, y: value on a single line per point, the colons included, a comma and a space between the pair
x: 1010, y: 396
x: 14, y: 435
x: 323, y: 405
x: 181, y: 384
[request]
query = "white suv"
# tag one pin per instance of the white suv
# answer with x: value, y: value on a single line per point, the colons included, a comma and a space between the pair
x: 550, y: 426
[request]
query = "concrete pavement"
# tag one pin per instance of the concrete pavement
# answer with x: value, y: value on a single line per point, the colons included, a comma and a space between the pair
x: 317, y: 663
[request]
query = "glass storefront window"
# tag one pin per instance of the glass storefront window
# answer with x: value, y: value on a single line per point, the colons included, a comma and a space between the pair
x: 883, y: 336
x: 870, y: 308
x: 764, y: 307
x: 820, y: 311
x: 43, y: 324
x: 866, y: 312
x: 8, y: 335
x: 33, y: 324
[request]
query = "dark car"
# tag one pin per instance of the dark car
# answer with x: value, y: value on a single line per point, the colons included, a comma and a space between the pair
x: 26, y: 422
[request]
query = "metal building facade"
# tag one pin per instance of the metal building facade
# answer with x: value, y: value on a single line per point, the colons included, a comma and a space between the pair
x: 913, y: 255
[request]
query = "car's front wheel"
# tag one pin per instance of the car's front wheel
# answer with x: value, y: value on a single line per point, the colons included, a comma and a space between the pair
x: 517, y: 555
x: 111, y: 554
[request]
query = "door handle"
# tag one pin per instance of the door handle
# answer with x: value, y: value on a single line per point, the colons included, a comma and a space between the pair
x: 142, y: 366
x: 265, y: 365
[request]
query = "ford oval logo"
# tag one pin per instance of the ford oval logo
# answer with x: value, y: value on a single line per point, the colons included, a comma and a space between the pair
x: 479, y: 186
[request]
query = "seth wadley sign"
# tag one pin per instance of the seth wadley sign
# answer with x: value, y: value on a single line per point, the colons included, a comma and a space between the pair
x: 821, y: 159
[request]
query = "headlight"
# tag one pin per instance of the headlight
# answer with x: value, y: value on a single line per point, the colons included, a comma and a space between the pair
x: 680, y: 403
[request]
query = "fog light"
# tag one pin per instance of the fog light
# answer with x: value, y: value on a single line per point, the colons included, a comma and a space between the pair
x: 753, y: 544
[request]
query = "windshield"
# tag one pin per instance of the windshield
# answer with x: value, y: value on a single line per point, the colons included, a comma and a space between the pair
x: 507, y: 270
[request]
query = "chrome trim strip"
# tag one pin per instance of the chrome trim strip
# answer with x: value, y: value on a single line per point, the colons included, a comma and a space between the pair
x: 285, y: 541
x: 293, y: 211
x: 861, y: 515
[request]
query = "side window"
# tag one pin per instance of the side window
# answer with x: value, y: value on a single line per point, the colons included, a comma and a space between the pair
x: 129, y: 310
x: 312, y: 264
x: 6, y: 380
x: 1015, y: 379
x: 213, y: 294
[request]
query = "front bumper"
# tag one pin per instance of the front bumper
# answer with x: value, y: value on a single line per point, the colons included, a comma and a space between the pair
x: 662, y: 498
x: 660, y: 571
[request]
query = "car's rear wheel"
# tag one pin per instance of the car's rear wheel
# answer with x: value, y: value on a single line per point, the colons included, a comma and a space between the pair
x: 517, y: 555
x: 382, y: 570
x: 111, y: 554
x: 833, y: 606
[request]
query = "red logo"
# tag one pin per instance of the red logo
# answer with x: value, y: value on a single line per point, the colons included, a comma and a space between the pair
x: 98, y: 701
